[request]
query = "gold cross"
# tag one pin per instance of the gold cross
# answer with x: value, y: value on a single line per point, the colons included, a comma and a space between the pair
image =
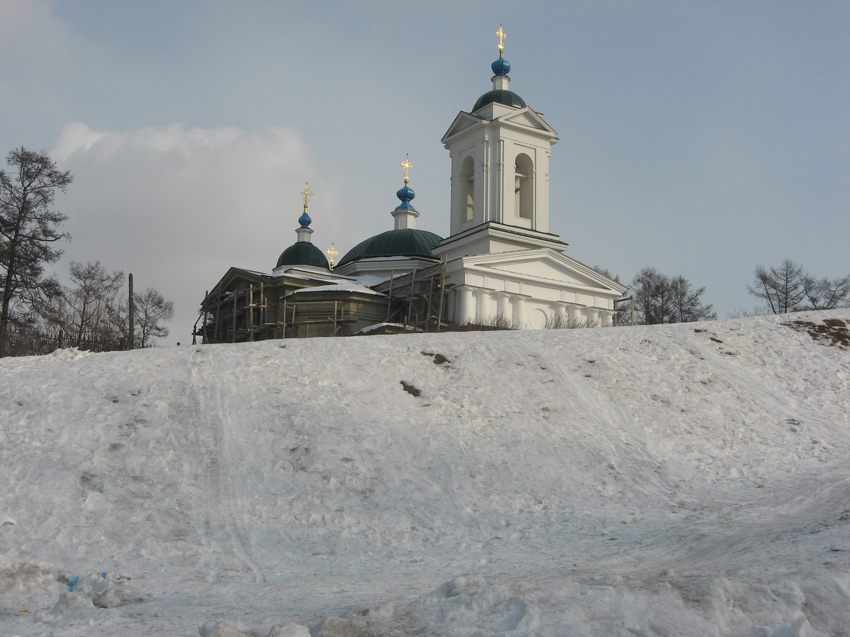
x: 407, y: 166
x: 332, y: 252
x: 502, y: 35
x: 307, y: 194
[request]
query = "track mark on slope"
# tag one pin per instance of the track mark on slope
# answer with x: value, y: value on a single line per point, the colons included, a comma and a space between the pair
x: 214, y: 427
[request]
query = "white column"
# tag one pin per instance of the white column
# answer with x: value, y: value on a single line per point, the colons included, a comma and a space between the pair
x: 484, y: 187
x: 503, y: 304
x: 482, y: 306
x: 504, y: 184
x: 560, y: 310
x: 518, y: 317
x: 465, y: 305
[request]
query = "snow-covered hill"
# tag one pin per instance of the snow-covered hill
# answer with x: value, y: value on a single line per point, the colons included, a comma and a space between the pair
x: 674, y: 480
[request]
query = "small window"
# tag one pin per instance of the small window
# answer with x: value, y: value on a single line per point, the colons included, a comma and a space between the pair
x: 523, y: 187
x: 467, y: 189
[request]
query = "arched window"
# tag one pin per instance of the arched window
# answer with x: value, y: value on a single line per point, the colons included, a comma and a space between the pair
x: 467, y: 189
x: 523, y: 186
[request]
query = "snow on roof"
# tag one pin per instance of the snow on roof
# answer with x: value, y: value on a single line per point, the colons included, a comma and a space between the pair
x: 370, y: 280
x: 377, y: 326
x: 293, y: 270
x: 339, y: 286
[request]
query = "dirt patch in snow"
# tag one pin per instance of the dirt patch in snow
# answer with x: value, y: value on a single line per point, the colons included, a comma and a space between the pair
x: 411, y: 389
x: 834, y: 331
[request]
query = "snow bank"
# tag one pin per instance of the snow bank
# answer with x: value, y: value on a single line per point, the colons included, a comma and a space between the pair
x: 688, y: 479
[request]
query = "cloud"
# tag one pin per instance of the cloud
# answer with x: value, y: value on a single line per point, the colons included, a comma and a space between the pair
x: 177, y: 206
x: 45, y: 49
x: 25, y: 20
x: 75, y: 137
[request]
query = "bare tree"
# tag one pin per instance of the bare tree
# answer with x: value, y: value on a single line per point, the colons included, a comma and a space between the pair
x: 93, y: 312
x: 660, y: 299
x: 151, y: 310
x: 788, y: 288
x: 28, y: 231
x: 686, y: 303
x: 782, y: 287
x: 652, y: 304
x: 826, y: 294
x: 94, y: 303
x: 607, y: 272
x: 88, y: 312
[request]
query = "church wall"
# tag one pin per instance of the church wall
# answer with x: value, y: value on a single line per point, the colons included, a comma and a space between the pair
x: 511, y: 146
x: 503, y: 142
x: 585, y: 299
x: 458, y: 221
x: 326, y: 314
x: 533, y: 307
x: 568, y: 296
x: 494, y: 150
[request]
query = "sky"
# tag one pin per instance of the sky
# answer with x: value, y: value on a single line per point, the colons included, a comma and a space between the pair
x: 699, y: 138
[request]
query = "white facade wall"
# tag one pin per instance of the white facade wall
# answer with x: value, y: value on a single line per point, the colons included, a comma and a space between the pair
x: 503, y: 265
x: 484, y: 306
x: 493, y: 144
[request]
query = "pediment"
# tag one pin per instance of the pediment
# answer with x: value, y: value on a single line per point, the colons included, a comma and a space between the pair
x: 546, y: 265
x: 234, y: 276
x: 463, y: 121
x: 528, y: 119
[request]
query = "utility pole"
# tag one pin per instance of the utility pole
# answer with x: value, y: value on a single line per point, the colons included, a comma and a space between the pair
x: 132, y: 315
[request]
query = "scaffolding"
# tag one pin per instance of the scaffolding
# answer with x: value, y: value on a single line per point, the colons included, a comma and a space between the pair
x: 246, y: 310
x: 421, y: 304
x: 238, y: 315
x: 313, y: 315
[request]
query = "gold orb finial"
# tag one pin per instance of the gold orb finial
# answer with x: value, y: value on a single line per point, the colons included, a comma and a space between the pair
x: 407, y: 166
x: 502, y: 35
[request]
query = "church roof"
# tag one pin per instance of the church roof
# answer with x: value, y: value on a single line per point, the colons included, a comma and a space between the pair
x: 500, y: 96
x: 500, y: 93
x: 407, y: 242
x: 303, y: 253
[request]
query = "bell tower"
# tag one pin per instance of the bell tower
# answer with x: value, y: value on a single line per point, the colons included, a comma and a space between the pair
x: 500, y: 167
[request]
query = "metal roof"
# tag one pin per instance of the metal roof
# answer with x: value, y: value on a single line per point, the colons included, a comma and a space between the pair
x: 303, y: 253
x: 500, y: 96
x: 408, y: 242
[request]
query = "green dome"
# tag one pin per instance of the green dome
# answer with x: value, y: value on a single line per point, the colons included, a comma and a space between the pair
x: 303, y: 253
x: 500, y: 96
x: 394, y: 243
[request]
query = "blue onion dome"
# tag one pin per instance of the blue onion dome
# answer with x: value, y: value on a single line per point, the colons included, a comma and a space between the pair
x: 408, y: 242
x: 500, y: 93
x: 305, y: 220
x: 501, y: 67
x: 405, y: 194
x: 303, y: 253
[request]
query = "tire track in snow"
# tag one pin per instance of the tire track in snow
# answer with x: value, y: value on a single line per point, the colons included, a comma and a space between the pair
x: 214, y: 425
x: 620, y: 444
x: 207, y: 447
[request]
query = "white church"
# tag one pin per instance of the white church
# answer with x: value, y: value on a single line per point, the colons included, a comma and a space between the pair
x: 500, y: 267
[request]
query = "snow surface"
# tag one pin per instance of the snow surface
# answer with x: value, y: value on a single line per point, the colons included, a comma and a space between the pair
x: 690, y: 479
